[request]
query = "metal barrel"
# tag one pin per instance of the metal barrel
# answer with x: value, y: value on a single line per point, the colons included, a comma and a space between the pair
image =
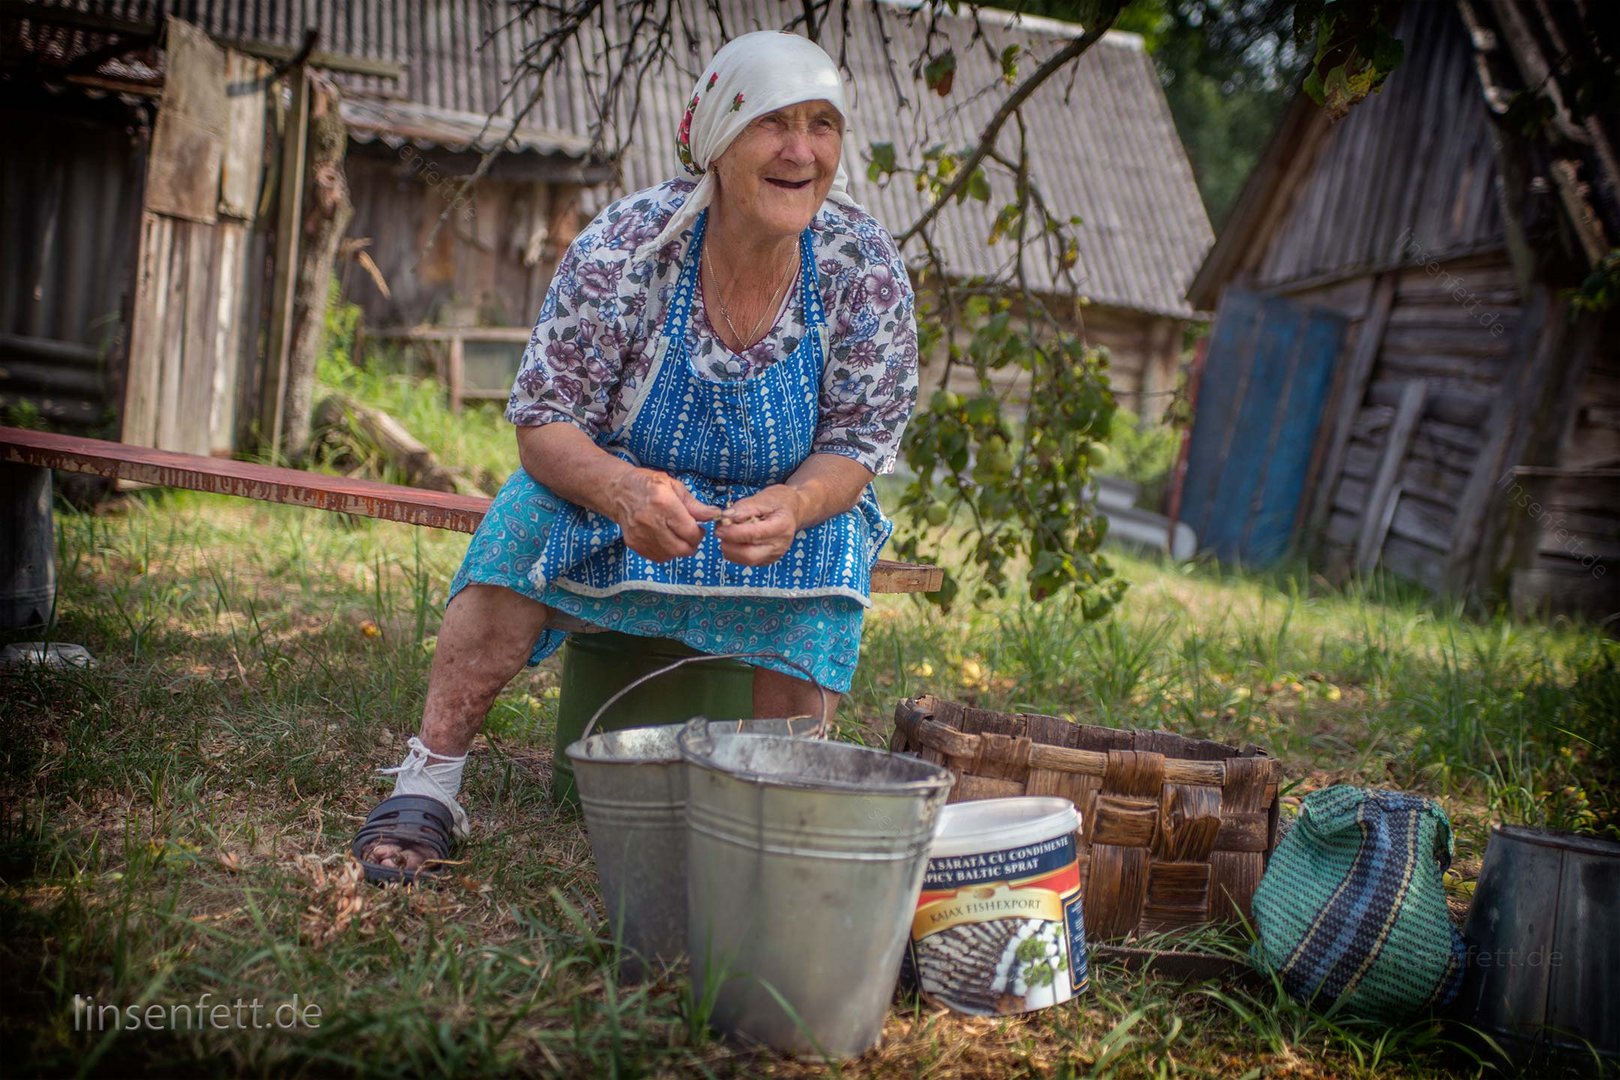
x: 804, y: 863
x: 1543, y: 933
x: 632, y: 788
x: 28, y: 554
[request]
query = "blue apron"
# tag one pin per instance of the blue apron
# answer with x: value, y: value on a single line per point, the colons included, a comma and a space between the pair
x: 725, y: 440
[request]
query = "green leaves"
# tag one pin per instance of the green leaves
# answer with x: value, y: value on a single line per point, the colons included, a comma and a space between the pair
x: 882, y: 163
x: 1354, y: 51
x: 1009, y: 64
x: 1016, y: 492
x: 940, y: 166
x: 940, y: 72
x: 1007, y: 219
x: 1600, y: 290
x: 978, y: 186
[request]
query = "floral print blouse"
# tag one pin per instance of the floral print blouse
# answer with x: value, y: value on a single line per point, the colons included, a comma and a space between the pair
x: 594, y: 341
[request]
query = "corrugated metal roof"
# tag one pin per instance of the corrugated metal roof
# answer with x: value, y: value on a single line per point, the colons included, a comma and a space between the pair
x: 396, y: 123
x: 1102, y: 143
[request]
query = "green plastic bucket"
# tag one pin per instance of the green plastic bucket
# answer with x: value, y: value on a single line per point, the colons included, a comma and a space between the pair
x: 597, y: 666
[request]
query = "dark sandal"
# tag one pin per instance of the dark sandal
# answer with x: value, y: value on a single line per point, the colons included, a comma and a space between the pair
x: 417, y: 820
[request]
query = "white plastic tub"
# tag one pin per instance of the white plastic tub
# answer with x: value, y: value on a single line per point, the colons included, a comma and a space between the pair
x: 998, y: 927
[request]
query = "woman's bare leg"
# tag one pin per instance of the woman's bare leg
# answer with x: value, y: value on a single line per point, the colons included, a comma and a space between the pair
x: 486, y: 638
x: 779, y: 695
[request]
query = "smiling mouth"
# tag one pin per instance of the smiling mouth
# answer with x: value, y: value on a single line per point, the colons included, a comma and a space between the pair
x: 789, y: 185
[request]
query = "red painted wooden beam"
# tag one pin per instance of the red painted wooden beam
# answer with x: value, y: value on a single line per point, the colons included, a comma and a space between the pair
x: 268, y: 483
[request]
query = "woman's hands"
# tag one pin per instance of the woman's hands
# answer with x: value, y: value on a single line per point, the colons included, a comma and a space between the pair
x: 662, y: 520
x: 657, y: 514
x: 758, y: 530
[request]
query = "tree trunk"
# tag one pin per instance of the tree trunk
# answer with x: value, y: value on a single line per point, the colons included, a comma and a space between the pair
x: 327, y: 211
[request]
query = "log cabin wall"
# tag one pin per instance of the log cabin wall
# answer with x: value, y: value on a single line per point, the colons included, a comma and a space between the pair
x: 1144, y: 368
x: 1560, y: 508
x: 492, y: 258
x: 1451, y: 357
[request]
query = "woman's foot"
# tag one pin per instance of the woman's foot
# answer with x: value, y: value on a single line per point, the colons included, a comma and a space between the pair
x: 405, y: 839
x: 485, y: 639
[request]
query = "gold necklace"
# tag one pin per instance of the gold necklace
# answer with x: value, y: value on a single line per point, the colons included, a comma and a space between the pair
x: 770, y: 308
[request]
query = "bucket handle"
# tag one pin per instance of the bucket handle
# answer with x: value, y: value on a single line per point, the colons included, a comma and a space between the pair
x: 820, y: 731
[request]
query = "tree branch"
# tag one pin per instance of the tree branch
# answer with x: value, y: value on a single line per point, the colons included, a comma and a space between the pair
x: 987, y: 138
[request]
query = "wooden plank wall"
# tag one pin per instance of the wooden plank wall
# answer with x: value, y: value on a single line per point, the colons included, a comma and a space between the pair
x: 1571, y: 509
x: 200, y: 294
x: 494, y: 256
x: 1461, y: 350
x: 1410, y: 170
x: 199, y: 286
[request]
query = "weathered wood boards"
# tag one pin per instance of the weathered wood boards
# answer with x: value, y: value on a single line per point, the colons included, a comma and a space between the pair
x: 188, y: 142
x: 198, y: 279
x: 1380, y: 506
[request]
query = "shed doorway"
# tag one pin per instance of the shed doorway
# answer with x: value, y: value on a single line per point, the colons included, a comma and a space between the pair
x: 1266, y: 380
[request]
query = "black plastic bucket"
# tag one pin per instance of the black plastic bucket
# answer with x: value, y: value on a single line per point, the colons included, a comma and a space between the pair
x: 27, y: 557
x: 1544, y: 945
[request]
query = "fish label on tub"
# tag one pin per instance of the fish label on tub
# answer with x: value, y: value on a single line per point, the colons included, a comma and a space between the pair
x: 1000, y: 931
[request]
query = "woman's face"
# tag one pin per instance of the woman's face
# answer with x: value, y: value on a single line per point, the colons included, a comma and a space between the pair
x: 776, y: 174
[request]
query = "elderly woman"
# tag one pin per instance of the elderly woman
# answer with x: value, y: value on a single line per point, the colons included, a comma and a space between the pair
x: 718, y: 371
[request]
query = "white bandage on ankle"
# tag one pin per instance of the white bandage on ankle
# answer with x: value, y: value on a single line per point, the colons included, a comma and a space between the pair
x: 436, y: 775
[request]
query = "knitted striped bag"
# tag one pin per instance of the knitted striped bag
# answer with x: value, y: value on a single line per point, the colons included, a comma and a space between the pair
x: 1352, y: 910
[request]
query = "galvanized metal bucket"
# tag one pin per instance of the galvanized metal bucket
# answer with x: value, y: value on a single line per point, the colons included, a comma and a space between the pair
x: 632, y: 789
x: 804, y: 862
x: 1543, y: 934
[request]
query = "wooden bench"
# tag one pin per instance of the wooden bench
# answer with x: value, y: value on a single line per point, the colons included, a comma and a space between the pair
x: 269, y: 483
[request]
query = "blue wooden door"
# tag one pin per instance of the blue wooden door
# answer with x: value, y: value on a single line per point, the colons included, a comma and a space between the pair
x: 1267, y: 374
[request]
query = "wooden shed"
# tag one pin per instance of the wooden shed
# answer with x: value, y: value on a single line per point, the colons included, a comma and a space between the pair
x: 492, y: 256
x: 428, y: 88
x: 152, y: 218
x: 1401, y: 374
x: 160, y: 287
x: 133, y: 232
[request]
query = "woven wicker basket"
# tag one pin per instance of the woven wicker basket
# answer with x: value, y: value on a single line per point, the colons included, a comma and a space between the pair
x: 1177, y: 831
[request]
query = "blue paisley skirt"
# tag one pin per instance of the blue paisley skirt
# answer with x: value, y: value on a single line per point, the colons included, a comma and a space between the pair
x: 821, y: 633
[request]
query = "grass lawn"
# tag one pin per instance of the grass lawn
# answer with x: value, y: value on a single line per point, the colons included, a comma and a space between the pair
x: 176, y: 818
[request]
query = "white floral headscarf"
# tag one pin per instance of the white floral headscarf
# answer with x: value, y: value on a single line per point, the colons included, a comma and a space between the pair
x: 750, y: 76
